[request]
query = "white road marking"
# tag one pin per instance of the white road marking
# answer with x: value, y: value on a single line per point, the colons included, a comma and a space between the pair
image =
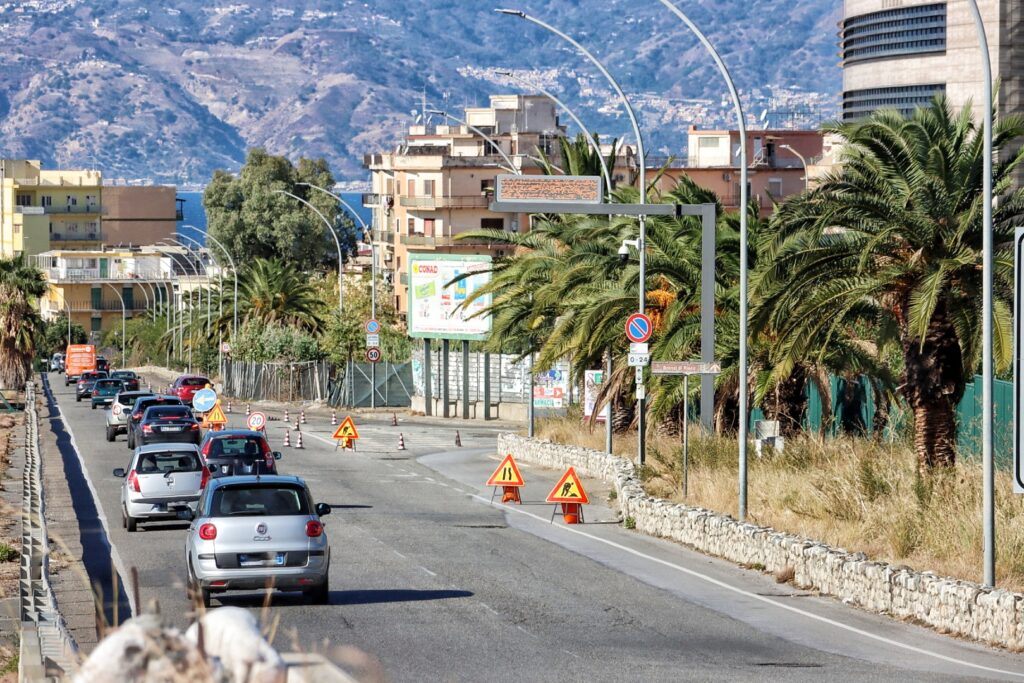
x: 755, y: 596
x: 399, y: 554
x: 488, y: 608
x: 428, y: 571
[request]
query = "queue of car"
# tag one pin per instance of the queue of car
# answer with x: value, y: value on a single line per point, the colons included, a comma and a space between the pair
x: 249, y: 526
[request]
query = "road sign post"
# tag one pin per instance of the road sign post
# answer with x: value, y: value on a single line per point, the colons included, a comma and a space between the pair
x: 1018, y: 368
x: 373, y: 355
x: 668, y: 368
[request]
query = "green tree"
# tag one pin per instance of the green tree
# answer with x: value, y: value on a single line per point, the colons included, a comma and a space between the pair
x: 54, y: 337
x: 21, y: 286
x: 892, y: 241
x: 269, y: 292
x: 253, y: 221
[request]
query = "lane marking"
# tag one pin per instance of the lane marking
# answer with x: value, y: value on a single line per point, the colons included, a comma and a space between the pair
x: 754, y: 596
x: 399, y: 554
x: 488, y: 608
x: 428, y: 571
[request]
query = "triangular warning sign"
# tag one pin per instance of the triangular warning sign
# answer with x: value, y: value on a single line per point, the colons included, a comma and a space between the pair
x: 568, y: 489
x: 507, y: 474
x: 346, y: 430
x: 216, y: 415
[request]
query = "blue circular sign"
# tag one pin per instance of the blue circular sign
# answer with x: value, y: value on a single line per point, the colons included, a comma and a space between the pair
x: 639, y: 328
x: 372, y: 327
x: 204, y: 400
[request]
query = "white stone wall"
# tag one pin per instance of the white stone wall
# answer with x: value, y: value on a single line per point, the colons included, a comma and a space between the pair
x: 962, y: 608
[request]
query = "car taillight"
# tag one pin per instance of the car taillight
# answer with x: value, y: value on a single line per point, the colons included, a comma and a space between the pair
x: 206, y: 448
x: 95, y: 392
x: 205, y: 479
x: 208, y: 532
x: 147, y: 428
x: 136, y: 416
x: 194, y: 426
x: 116, y: 410
x: 133, y: 481
x: 314, y: 529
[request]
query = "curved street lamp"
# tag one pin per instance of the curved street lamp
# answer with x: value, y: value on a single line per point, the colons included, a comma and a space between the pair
x: 234, y: 270
x: 330, y: 229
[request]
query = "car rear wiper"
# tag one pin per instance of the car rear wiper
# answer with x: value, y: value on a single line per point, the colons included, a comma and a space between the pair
x: 246, y: 513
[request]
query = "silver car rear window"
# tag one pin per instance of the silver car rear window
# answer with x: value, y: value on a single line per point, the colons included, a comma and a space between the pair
x: 167, y: 461
x: 270, y: 500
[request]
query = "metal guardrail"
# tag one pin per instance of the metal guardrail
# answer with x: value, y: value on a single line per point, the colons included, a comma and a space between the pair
x: 46, y: 643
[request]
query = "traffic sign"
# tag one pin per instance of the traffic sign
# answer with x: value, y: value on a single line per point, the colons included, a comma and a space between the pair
x: 638, y: 360
x: 568, y: 489
x: 683, y: 367
x: 639, y: 348
x: 257, y: 421
x: 373, y: 354
x: 372, y: 326
x: 639, y: 328
x: 507, y: 474
x: 203, y: 400
x: 225, y: 347
x: 373, y: 340
x: 216, y: 416
x: 346, y: 430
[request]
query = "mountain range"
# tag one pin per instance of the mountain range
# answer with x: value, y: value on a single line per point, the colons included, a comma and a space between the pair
x: 171, y: 91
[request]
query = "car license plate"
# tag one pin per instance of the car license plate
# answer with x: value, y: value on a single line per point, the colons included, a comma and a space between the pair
x: 261, y: 560
x: 170, y: 429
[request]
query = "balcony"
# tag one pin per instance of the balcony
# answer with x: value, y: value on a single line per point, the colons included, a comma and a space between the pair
x: 58, y: 210
x: 441, y: 241
x: 106, y: 304
x: 473, y: 201
x: 80, y: 236
x: 69, y: 275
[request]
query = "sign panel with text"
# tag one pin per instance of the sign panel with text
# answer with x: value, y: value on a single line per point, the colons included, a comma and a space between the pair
x: 439, y: 310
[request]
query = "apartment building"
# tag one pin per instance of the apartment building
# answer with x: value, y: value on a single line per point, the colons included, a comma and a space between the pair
x: 899, y: 54
x: 136, y: 215
x: 440, y: 180
x: 42, y: 209
x: 777, y: 164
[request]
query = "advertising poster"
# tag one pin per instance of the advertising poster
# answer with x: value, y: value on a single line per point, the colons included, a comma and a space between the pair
x: 437, y: 310
x: 591, y: 387
x: 551, y: 390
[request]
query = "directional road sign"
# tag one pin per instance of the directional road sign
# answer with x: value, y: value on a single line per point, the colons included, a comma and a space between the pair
x: 373, y: 354
x: 639, y: 328
x: 568, y: 489
x: 204, y: 400
x: 257, y: 421
x: 684, y: 367
x: 507, y: 474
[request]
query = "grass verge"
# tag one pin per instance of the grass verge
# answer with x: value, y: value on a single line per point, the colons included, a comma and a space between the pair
x: 851, y: 493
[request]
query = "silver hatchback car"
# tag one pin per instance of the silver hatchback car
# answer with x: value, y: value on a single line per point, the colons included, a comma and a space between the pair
x: 161, y: 481
x: 253, y: 531
x: 120, y: 408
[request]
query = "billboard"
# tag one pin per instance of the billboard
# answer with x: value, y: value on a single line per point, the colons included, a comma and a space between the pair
x: 547, y: 189
x: 593, y: 379
x: 551, y: 389
x: 436, y: 309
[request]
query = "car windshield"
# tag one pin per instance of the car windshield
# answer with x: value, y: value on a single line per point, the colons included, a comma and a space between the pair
x: 144, y: 404
x: 168, y: 413
x: 264, y: 499
x: 127, y: 399
x: 194, y: 382
x: 108, y: 383
x: 124, y: 374
x: 252, y: 447
x: 164, y: 462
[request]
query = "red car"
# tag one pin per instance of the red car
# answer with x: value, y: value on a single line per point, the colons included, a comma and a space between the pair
x: 186, y: 386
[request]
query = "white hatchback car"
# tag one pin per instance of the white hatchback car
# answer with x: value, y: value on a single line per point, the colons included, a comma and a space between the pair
x: 161, y: 481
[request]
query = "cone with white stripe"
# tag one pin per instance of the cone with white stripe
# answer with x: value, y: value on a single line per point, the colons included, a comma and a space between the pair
x: 298, y: 441
x: 287, y: 439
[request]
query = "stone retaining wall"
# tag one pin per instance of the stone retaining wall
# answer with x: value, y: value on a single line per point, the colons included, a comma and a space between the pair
x: 950, y: 606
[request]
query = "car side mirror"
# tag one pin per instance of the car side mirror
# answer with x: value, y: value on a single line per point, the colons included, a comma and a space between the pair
x: 212, y: 468
x: 119, y: 472
x: 323, y: 509
x: 186, y: 515
x: 277, y: 455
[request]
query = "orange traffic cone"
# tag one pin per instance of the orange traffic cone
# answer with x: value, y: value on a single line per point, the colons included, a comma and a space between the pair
x: 458, y: 439
x: 286, y: 415
x: 572, y: 513
x: 302, y: 416
x: 247, y: 411
x: 401, y: 441
x: 394, y: 419
x: 287, y: 439
x: 298, y: 441
x: 334, y: 418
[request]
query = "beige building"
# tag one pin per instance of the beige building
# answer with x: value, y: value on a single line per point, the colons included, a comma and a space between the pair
x: 139, y: 215
x: 43, y: 209
x: 439, y: 182
x: 899, y: 53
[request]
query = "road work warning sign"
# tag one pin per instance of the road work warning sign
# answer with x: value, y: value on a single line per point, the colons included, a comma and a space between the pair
x: 346, y: 430
x: 507, y: 474
x: 568, y: 489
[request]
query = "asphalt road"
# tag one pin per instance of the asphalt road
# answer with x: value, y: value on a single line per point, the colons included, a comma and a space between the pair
x: 433, y: 582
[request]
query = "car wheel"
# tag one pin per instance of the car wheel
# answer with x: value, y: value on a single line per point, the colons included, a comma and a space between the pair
x: 94, y: 406
x: 78, y: 399
x: 111, y: 434
x: 319, y: 595
x: 130, y: 438
x: 130, y: 523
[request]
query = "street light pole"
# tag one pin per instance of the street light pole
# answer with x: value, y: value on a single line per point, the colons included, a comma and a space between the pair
x: 341, y: 262
x: 181, y: 326
x: 234, y: 270
x: 69, y: 320
x: 803, y: 162
x: 124, y: 315
x: 220, y: 298
x: 373, y: 276
x: 642, y: 241
x: 988, y: 464
x: 744, y: 200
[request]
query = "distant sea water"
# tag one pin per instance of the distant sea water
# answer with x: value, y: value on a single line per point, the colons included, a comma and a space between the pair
x: 194, y: 214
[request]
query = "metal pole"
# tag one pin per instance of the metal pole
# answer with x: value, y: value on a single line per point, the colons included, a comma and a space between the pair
x: 428, y: 399
x: 341, y: 261
x: 686, y: 435
x: 487, y: 386
x: 744, y: 200
x: 465, y: 379
x: 69, y: 320
x: 444, y: 377
x: 803, y: 162
x: 529, y: 399
x: 234, y: 270
x: 988, y: 464
x: 707, y: 316
x: 123, y: 316
x: 609, y: 407
x: 641, y: 160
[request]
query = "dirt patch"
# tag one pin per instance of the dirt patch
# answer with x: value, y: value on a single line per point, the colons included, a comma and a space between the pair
x: 11, y: 431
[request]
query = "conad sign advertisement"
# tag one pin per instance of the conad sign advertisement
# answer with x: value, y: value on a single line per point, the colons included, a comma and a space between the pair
x: 438, y: 310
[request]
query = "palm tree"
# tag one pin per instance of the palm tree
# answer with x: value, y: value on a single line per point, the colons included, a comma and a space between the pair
x: 271, y: 291
x: 20, y: 286
x: 892, y: 243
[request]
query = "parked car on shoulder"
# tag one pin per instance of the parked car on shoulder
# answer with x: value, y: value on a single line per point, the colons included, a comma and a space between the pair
x: 83, y: 388
x: 186, y: 386
x: 254, y: 531
x: 167, y: 424
x: 139, y: 409
x: 238, y: 451
x: 129, y: 377
x: 160, y: 481
x: 120, y: 409
x: 104, y: 390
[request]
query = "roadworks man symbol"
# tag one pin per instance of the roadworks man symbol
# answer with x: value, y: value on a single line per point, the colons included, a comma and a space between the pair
x: 507, y: 474
x: 216, y: 415
x: 568, y: 489
x: 346, y: 430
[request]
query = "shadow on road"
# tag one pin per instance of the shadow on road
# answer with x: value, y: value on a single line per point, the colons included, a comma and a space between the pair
x: 356, y: 597
x: 350, y: 507
x: 95, y: 544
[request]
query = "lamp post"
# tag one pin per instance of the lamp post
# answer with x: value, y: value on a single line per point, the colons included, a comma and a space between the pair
x: 69, y: 320
x: 124, y: 314
x: 234, y: 270
x: 199, y: 256
x: 181, y: 326
x: 987, y: 263
x: 803, y: 162
x: 744, y: 199
x: 341, y: 261
x: 220, y: 297
x: 373, y: 276
x: 642, y: 241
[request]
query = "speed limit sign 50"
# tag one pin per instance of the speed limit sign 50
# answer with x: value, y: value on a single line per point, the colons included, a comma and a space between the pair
x: 257, y: 421
x: 373, y: 354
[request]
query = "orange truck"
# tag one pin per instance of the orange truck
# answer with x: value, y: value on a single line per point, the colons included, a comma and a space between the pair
x: 78, y: 358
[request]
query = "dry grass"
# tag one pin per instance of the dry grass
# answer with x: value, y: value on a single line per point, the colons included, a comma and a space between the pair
x: 850, y: 493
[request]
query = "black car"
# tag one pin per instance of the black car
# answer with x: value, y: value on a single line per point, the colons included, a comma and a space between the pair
x: 130, y: 379
x: 102, y: 364
x: 167, y: 424
x: 139, y: 409
x: 83, y: 389
x: 237, y: 452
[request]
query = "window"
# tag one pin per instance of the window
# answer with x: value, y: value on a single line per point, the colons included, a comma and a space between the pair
x: 428, y: 188
x: 428, y: 227
x: 487, y: 186
x: 259, y: 501
x: 17, y: 228
x: 775, y: 187
x: 412, y: 188
x: 492, y: 223
x: 46, y: 200
x: 860, y: 103
x: 894, y: 32
x: 411, y: 227
x: 389, y: 186
x: 706, y: 142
